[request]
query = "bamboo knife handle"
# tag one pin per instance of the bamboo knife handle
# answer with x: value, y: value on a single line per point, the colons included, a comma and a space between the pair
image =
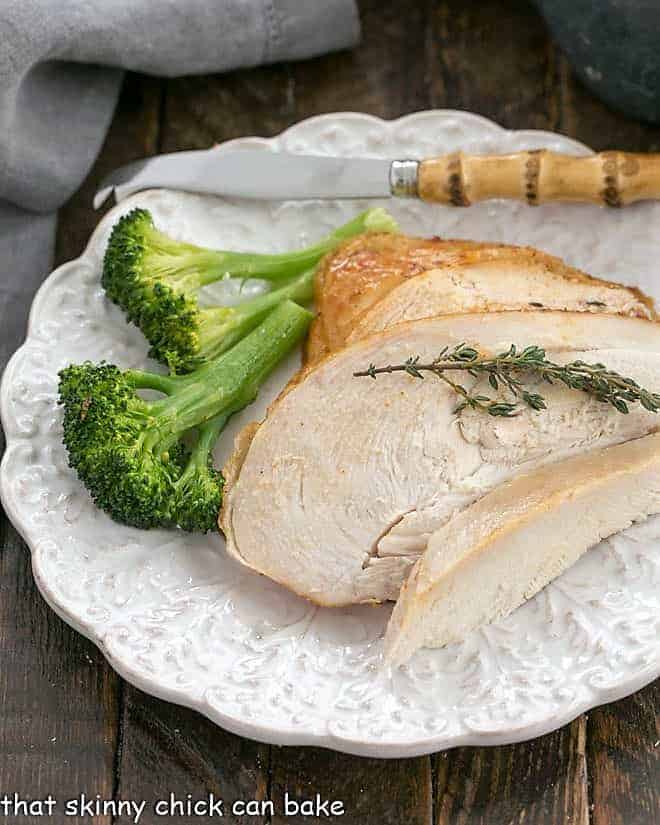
x: 538, y: 176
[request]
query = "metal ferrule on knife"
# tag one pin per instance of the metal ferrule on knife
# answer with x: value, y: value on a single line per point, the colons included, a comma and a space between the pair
x: 403, y: 178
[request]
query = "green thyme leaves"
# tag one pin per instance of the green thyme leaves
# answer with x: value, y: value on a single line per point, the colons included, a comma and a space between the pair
x: 508, y: 371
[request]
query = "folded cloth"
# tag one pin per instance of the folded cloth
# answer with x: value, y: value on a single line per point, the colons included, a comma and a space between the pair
x: 61, y: 65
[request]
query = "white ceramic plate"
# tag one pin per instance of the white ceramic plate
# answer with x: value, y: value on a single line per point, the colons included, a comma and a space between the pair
x: 180, y: 620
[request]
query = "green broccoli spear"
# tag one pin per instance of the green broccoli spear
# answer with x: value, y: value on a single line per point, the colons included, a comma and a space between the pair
x: 155, y: 280
x: 131, y: 454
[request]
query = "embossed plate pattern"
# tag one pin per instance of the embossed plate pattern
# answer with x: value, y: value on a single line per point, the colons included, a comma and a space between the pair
x: 180, y: 620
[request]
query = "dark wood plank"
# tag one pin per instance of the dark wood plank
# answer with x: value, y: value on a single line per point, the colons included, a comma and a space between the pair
x: 542, y: 781
x: 59, y: 698
x: 384, y: 76
x: 168, y: 750
x: 623, y: 749
x: 371, y: 791
x: 493, y: 58
x: 201, y: 111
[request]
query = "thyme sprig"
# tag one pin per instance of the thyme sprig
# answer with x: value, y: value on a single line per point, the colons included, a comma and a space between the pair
x: 508, y: 370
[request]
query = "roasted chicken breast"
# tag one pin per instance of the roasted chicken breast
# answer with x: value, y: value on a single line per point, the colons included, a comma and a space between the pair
x: 376, y: 280
x: 336, y: 493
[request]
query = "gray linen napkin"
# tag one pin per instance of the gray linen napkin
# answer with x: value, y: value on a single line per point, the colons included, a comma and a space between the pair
x: 61, y: 67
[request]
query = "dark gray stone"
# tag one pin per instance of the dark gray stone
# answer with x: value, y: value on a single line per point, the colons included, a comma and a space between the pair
x: 614, y: 46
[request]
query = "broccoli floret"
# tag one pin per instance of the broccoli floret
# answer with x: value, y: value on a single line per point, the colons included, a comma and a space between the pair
x: 155, y: 280
x: 131, y: 453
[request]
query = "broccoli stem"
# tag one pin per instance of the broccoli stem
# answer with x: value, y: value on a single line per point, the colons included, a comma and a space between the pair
x: 142, y: 380
x: 231, y: 381
x: 208, y: 435
x: 206, y: 439
x: 189, y: 267
x: 221, y: 327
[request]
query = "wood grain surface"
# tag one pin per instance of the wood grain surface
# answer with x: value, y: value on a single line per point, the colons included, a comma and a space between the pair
x: 69, y: 725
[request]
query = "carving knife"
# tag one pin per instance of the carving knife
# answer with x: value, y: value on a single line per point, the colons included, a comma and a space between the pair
x: 458, y: 179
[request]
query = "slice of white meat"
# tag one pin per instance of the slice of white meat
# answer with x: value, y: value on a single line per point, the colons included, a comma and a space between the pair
x: 572, y: 423
x: 500, y: 284
x: 341, y: 464
x: 499, y: 552
x: 361, y: 273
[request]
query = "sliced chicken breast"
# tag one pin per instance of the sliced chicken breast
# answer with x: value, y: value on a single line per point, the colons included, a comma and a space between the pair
x: 493, y: 556
x: 363, y: 270
x: 342, y: 464
x: 494, y: 285
x: 361, y: 273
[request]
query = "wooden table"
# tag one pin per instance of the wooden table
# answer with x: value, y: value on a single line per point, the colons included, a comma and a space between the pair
x: 70, y: 725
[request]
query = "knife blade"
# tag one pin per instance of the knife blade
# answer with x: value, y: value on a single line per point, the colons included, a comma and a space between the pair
x: 534, y: 176
x: 252, y: 174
